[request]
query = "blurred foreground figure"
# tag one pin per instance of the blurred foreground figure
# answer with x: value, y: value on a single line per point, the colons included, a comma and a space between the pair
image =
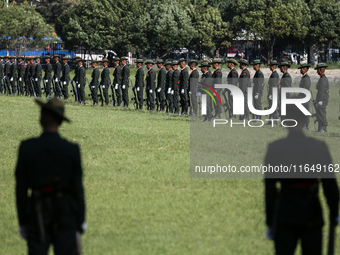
x: 293, y: 212
x: 49, y: 189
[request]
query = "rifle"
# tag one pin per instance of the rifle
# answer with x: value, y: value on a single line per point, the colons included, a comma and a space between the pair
x: 38, y: 211
x: 226, y: 106
x: 74, y: 91
x: 44, y: 84
x: 134, y: 99
x: 189, y: 100
x: 90, y: 91
x: 157, y: 101
x: 113, y: 100
x: 316, y: 111
x: 101, y: 94
x: 6, y: 85
x: 32, y: 85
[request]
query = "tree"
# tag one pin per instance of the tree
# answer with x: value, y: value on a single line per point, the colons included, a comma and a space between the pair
x: 22, y: 28
x: 52, y: 9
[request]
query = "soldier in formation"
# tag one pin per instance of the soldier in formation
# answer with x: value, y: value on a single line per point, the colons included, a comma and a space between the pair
x: 94, y: 82
x: 258, y: 86
x: 322, y: 97
x: 161, y: 85
x: 139, y: 83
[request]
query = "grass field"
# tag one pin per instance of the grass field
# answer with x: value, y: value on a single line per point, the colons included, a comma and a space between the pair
x: 139, y: 194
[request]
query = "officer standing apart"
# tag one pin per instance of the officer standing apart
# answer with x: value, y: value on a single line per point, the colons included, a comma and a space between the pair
x: 65, y: 78
x: 13, y: 75
x: 168, y: 87
x: 150, y: 85
x: 81, y: 81
x: 258, y: 86
x: 21, y: 75
x: 305, y: 84
x: 294, y: 212
x: 48, y: 75
x: 322, y: 97
x: 183, y: 85
x: 273, y: 82
x: 244, y: 83
x: 193, y: 79
x: 207, y: 79
x: 217, y: 79
x: 51, y: 168
x: 161, y: 84
x: 232, y: 79
x: 175, y: 85
x: 139, y: 83
x: 57, y: 75
x: 125, y: 81
x: 37, y: 77
x: 94, y: 82
x: 117, y: 80
x: 105, y: 80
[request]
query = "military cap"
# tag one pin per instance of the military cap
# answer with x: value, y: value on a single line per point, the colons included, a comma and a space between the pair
x: 217, y: 60
x: 56, y: 56
x: 193, y: 61
x: 149, y: 62
x: 47, y: 56
x: 232, y: 61
x: 204, y: 64
x: 167, y: 63
x: 79, y: 60
x: 206, y: 61
x: 65, y: 58
x: 6, y: 57
x: 284, y: 64
x: 181, y: 60
x: 123, y: 58
x: 105, y: 60
x: 20, y: 57
x: 256, y: 61
x: 54, y: 105
x: 37, y: 57
x: 160, y: 61
x: 75, y: 58
x: 116, y: 59
x: 175, y: 62
x: 273, y: 63
x: 28, y: 58
x: 12, y: 57
x: 243, y: 61
x: 320, y: 65
x: 139, y: 61
x: 304, y: 65
x: 94, y: 61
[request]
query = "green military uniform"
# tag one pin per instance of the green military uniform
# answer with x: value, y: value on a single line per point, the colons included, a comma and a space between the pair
x: 65, y: 79
x: 48, y: 78
x: 175, y: 87
x: 117, y: 81
x: 37, y: 78
x: 258, y: 88
x: 322, y: 100
x: 193, y: 79
x: 286, y: 81
x: 125, y: 83
x: 244, y: 83
x: 139, y: 84
x: 168, y: 89
x: 1, y: 77
x: 28, y: 85
x: 183, y: 87
x: 206, y: 78
x: 7, y: 75
x: 76, y: 73
x: 150, y: 87
x: 217, y: 79
x: 48, y: 176
x: 56, y: 77
x: 81, y: 83
x: 105, y: 83
x: 160, y: 93
x: 273, y: 82
x: 232, y: 79
x: 13, y: 77
x: 21, y: 76
x: 94, y: 84
x: 305, y: 83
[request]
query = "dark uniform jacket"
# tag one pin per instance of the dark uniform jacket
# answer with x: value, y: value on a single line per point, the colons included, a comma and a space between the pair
x: 125, y: 75
x: 76, y: 70
x: 21, y: 71
x: 117, y: 75
x: 27, y: 71
x: 41, y: 160
x: 57, y: 71
x: 193, y: 80
x: 105, y: 77
x: 13, y: 71
x: 206, y: 78
x: 258, y: 82
x: 169, y: 79
x: 244, y: 80
x: 1, y: 70
x: 38, y: 71
x: 305, y: 84
x: 150, y: 79
x: 217, y: 76
x: 184, y: 78
x: 297, y: 201
x: 273, y: 82
x: 161, y: 78
x: 48, y: 72
x: 81, y: 76
x: 323, y: 90
x: 6, y: 69
x: 65, y: 73
x: 95, y: 77
x: 232, y: 77
x: 286, y: 80
x: 175, y: 79
x: 139, y: 78
x: 32, y: 70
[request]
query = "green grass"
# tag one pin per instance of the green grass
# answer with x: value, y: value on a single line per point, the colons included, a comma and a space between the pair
x: 139, y: 194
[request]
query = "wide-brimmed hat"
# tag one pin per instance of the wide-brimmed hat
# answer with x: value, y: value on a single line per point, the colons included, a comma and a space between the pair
x: 47, y: 56
x: 284, y: 64
x: 79, y: 60
x: 94, y: 61
x: 167, y: 63
x: 139, y: 61
x: 65, y: 58
x: 20, y: 57
x: 6, y: 57
x: 105, y: 60
x: 217, y: 60
x: 37, y: 57
x: 175, y: 62
x: 149, y: 61
x: 12, y: 57
x: 256, y: 61
x: 304, y: 65
x: 123, y: 58
x: 273, y: 63
x: 75, y: 58
x: 243, y: 61
x: 192, y: 61
x: 28, y: 58
x: 159, y: 61
x: 205, y: 64
x: 54, y: 105
x: 320, y: 65
x: 181, y: 60
x: 56, y: 56
x: 233, y: 61
x: 116, y: 59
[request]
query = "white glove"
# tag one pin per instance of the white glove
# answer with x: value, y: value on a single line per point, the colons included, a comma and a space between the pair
x: 76, y: 82
x: 190, y: 92
x: 20, y: 78
x: 36, y: 79
x: 84, y: 227
x: 11, y: 79
x: 46, y: 81
x: 65, y: 82
x: 78, y: 85
x: 123, y: 87
x: 256, y: 96
x: 56, y: 80
x: 137, y: 88
x: 169, y: 90
x: 116, y: 87
x: 172, y: 92
x: 5, y: 77
x: 150, y: 91
x: 93, y: 87
x: 270, y: 97
x: 320, y: 103
x: 103, y: 86
x: 23, y: 232
x: 159, y: 90
x: 182, y: 91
